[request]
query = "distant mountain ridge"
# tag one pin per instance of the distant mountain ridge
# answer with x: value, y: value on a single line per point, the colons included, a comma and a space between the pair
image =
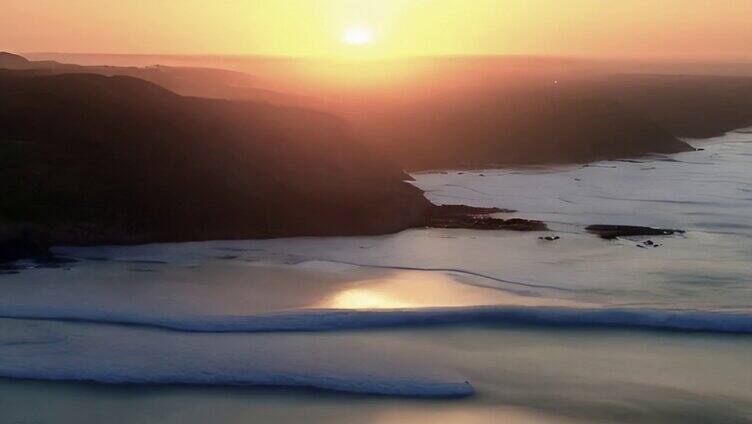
x: 189, y: 81
x: 692, y: 106
x: 522, y: 125
x: 516, y: 118
x: 13, y: 61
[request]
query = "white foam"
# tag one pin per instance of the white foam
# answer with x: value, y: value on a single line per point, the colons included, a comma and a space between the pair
x: 136, y: 355
x: 343, y: 319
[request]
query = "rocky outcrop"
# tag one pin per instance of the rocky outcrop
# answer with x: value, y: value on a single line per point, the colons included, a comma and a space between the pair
x: 22, y: 242
x: 611, y: 232
x: 472, y: 222
x: 478, y: 218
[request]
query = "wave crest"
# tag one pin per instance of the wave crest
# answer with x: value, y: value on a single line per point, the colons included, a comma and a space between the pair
x: 341, y: 319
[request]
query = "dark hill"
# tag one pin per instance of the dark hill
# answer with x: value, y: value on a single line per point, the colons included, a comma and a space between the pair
x: 694, y: 106
x: 116, y: 159
x: 523, y: 125
x: 13, y: 61
x: 188, y: 81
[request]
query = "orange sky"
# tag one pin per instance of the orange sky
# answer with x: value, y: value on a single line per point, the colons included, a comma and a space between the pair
x: 626, y: 28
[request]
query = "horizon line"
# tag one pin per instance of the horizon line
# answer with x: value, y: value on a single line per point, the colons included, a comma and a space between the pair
x: 576, y: 57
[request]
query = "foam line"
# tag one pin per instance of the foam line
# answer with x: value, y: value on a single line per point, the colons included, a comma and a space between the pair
x: 344, y: 319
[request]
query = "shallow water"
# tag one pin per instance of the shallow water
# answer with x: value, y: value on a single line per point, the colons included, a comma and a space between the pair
x: 520, y: 374
x: 580, y: 329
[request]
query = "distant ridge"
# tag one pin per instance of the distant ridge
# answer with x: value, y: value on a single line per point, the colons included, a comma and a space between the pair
x: 189, y: 81
x: 513, y: 114
x: 13, y: 61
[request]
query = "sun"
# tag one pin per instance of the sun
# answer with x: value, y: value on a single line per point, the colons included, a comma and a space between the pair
x: 357, y: 36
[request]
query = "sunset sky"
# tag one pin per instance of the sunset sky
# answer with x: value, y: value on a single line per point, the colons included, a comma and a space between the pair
x: 382, y: 28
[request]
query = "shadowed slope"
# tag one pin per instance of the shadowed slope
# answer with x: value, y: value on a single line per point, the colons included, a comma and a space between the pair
x: 117, y: 159
x: 694, y: 106
x: 531, y: 124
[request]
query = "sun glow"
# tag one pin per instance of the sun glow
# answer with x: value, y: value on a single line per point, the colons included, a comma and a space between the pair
x: 357, y: 36
x: 393, y: 28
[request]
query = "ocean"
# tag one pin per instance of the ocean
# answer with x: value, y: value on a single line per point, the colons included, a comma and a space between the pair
x: 427, y: 325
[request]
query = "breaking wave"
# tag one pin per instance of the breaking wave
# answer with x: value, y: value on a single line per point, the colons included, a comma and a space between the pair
x: 342, y: 319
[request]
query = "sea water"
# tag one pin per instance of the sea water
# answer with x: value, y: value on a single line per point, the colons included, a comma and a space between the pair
x: 428, y: 325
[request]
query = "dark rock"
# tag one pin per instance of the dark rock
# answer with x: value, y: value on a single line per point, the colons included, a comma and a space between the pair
x: 147, y: 270
x: 23, y: 243
x: 476, y: 218
x: 549, y: 238
x: 227, y: 257
x: 610, y: 232
x: 446, y: 210
x: 478, y: 222
x: 147, y: 262
x: 649, y: 244
x: 53, y: 262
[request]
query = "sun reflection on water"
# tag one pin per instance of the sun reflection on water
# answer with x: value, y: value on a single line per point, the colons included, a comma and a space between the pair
x: 367, y: 299
x: 418, y: 289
